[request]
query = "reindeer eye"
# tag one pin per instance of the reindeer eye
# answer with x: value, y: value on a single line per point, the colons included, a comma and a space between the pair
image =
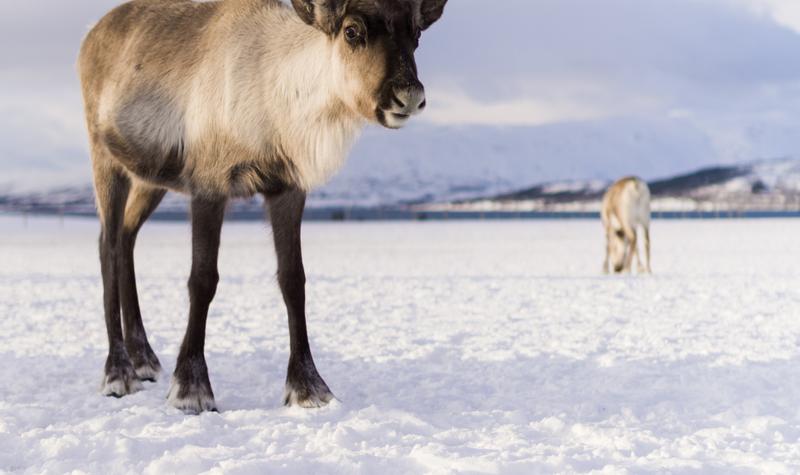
x: 352, y: 33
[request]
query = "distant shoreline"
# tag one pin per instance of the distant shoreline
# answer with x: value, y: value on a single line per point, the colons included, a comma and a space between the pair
x: 394, y: 214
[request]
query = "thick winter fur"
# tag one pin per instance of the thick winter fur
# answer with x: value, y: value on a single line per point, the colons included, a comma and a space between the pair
x: 626, y: 208
x: 224, y: 99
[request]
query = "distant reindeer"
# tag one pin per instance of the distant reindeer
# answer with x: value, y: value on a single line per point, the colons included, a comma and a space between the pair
x: 626, y: 207
x: 226, y: 99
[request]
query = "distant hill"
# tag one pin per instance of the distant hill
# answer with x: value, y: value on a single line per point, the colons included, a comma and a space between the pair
x: 771, y: 185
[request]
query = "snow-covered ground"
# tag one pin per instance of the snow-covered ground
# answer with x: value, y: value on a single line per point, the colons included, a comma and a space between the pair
x: 477, y: 347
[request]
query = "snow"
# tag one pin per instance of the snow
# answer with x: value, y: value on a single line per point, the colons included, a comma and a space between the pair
x: 479, y: 347
x: 782, y: 174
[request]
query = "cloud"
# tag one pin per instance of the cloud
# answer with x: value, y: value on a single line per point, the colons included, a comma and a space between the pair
x: 675, y: 53
x: 727, y: 66
x: 536, y: 103
x: 785, y: 12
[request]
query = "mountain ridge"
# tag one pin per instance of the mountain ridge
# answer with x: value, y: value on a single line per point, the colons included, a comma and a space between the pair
x: 764, y: 185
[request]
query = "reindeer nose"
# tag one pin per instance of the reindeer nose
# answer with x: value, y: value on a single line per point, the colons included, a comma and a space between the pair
x: 410, y: 100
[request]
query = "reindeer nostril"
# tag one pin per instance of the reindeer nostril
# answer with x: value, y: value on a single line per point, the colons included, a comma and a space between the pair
x: 423, y: 104
x: 398, y: 101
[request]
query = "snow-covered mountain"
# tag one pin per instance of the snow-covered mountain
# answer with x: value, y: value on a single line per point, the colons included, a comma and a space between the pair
x: 770, y: 185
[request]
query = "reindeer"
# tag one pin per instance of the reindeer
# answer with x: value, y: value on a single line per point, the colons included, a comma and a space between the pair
x: 626, y: 207
x: 226, y: 99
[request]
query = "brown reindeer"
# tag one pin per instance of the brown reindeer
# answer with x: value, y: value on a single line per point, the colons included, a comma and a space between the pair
x: 626, y: 208
x: 226, y: 99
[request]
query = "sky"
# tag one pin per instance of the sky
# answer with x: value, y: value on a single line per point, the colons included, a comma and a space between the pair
x: 727, y: 69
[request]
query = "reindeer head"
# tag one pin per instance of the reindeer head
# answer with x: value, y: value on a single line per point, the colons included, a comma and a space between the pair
x: 619, y: 249
x: 374, y: 44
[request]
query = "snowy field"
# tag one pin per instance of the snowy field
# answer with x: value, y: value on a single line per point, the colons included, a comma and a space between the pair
x: 494, y: 347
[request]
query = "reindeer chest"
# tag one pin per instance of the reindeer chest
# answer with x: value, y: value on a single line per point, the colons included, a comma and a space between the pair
x: 225, y: 164
x: 318, y: 153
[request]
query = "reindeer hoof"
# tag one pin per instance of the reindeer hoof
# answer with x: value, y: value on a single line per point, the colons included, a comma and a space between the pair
x: 192, y: 398
x: 120, y: 381
x: 308, y: 399
x: 305, y: 387
x: 148, y: 368
x: 148, y: 372
x: 190, y: 390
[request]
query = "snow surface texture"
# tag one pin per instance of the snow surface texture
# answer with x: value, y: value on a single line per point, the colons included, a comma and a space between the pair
x: 493, y: 347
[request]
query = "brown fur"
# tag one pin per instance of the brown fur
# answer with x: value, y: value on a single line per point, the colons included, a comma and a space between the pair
x: 141, y: 55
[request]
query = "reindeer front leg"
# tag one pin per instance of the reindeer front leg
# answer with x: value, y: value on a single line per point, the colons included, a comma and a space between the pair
x: 640, y: 268
x: 191, y: 388
x: 648, y: 269
x: 304, y: 386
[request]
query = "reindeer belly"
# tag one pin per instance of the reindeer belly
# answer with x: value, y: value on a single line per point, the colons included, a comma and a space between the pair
x: 146, y: 137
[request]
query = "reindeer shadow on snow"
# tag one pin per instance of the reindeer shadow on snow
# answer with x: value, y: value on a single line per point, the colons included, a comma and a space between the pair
x: 221, y: 100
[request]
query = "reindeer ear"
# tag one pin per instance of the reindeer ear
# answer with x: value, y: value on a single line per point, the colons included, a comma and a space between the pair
x: 430, y: 11
x: 325, y: 15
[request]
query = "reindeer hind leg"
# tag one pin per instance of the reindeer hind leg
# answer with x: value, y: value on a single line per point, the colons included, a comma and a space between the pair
x: 633, y: 249
x: 142, y: 201
x: 111, y: 191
